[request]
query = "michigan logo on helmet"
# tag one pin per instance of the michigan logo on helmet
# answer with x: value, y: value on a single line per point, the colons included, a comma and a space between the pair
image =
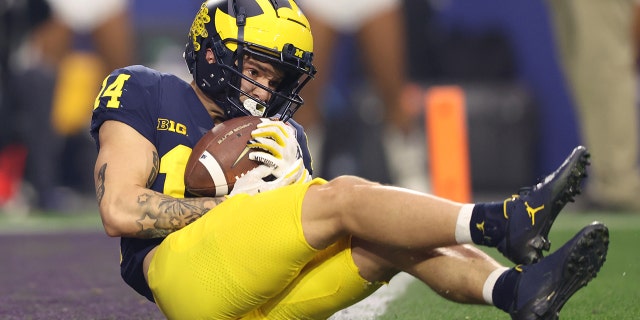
x: 276, y: 32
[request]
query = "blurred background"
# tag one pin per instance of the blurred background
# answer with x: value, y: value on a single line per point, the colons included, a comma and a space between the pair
x: 537, y: 78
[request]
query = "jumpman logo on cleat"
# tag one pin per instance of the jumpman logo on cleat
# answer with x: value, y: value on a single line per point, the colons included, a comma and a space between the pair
x: 532, y: 212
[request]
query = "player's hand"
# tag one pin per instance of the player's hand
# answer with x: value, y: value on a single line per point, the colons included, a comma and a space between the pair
x: 274, y: 144
x: 260, y: 179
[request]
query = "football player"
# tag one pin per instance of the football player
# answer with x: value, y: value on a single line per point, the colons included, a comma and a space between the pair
x: 292, y: 247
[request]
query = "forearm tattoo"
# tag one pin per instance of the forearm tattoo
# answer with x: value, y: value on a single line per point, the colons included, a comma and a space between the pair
x: 161, y: 214
x: 164, y: 214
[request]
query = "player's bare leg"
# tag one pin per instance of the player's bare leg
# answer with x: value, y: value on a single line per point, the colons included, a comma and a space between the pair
x: 517, y: 226
x: 388, y: 215
x: 114, y: 40
x: 457, y: 273
x: 466, y: 275
x: 386, y: 68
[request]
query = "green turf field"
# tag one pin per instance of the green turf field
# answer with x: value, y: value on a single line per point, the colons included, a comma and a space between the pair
x: 614, y: 294
x: 50, y: 222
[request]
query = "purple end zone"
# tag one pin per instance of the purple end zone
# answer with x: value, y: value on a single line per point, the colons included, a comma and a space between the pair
x: 66, y: 276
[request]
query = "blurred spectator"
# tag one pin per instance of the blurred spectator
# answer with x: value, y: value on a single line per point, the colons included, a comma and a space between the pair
x: 49, y: 66
x: 379, y: 31
x: 598, y: 55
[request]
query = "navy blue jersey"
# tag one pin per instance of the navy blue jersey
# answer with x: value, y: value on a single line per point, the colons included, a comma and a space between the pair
x: 166, y: 111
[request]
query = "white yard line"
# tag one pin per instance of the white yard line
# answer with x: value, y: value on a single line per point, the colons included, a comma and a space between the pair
x: 376, y: 304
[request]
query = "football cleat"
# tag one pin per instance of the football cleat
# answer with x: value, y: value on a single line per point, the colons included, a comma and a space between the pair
x: 532, y: 211
x: 544, y: 287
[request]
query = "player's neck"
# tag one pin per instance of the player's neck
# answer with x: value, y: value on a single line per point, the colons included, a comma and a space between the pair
x: 216, y: 113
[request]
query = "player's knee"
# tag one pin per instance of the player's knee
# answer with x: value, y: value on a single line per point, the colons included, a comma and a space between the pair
x: 327, y: 208
x: 347, y: 183
x: 345, y: 189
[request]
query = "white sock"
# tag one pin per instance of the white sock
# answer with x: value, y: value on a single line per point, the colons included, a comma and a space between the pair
x: 487, y: 289
x: 463, y: 233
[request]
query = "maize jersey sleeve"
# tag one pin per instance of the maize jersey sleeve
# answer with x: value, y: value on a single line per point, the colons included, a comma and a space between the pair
x: 166, y: 111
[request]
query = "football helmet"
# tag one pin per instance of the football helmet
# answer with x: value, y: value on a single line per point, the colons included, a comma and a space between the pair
x: 276, y: 32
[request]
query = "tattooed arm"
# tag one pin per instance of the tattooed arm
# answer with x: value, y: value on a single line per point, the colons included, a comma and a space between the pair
x: 126, y: 165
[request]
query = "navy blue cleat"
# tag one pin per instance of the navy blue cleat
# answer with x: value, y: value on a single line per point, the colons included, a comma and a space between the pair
x: 544, y: 287
x: 533, y: 210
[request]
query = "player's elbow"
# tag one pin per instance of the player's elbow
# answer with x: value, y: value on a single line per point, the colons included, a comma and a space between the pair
x: 111, y: 221
x: 111, y: 231
x: 110, y: 225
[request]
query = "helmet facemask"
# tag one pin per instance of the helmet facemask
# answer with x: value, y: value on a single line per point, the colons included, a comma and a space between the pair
x: 221, y: 80
x: 285, y: 98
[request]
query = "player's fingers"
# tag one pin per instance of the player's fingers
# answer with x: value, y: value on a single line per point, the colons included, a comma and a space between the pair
x: 264, y: 158
x: 251, y: 182
x: 266, y: 145
x: 256, y: 173
x: 284, y: 128
x: 277, y: 130
x: 270, y: 133
x: 295, y: 171
x: 305, y: 177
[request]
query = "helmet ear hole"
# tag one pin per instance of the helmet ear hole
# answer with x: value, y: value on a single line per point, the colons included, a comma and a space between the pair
x: 219, y: 50
x: 190, y: 57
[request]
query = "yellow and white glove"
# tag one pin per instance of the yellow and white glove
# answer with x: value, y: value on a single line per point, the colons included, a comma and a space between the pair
x: 275, y: 147
x: 274, y: 144
x: 253, y: 182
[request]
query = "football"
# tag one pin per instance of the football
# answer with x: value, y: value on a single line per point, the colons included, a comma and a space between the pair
x: 219, y: 157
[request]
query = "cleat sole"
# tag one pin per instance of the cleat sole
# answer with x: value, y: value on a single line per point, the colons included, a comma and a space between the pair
x: 578, y: 262
x: 585, y: 261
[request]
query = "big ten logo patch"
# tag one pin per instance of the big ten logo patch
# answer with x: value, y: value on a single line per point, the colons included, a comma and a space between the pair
x: 172, y: 126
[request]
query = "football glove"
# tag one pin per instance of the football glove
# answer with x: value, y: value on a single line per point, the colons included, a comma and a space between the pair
x: 260, y: 179
x: 274, y: 144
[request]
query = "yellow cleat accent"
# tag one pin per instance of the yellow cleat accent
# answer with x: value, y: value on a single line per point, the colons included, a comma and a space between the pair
x: 504, y: 205
x: 532, y: 212
x: 480, y: 226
